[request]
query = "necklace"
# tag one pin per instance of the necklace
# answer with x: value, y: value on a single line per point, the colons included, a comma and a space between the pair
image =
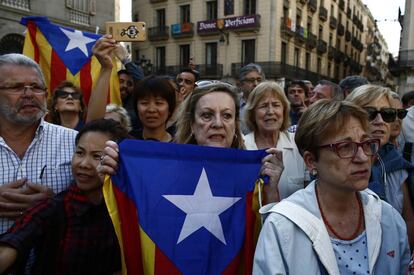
x: 325, y: 221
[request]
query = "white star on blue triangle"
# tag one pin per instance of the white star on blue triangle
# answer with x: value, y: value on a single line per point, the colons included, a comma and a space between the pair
x: 77, y: 41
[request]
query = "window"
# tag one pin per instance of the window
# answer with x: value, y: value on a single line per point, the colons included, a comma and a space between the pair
x: 336, y: 71
x: 338, y: 44
x: 211, y: 10
x: 296, y: 58
x: 81, y: 5
x: 319, y: 65
x: 228, y: 7
x: 185, y: 14
x: 249, y: 7
x: 309, y: 24
x: 332, y: 10
x: 329, y: 68
x: 211, y: 54
x: 160, y: 17
x: 308, y: 61
x: 283, y: 53
x: 184, y: 55
x: 320, y: 34
x: 160, y: 59
x: 298, y: 17
x: 248, y: 51
x: 330, y: 39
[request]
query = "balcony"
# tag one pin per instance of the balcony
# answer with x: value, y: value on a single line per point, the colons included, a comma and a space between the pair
x: 323, y: 14
x: 341, y: 29
x: 313, y: 5
x: 278, y: 70
x: 347, y: 36
x: 338, y: 56
x: 17, y: 4
x: 158, y: 33
x: 181, y: 30
x: 333, y: 22
x: 286, y: 27
x: 311, y: 41
x: 321, y: 47
x: 207, y: 71
x: 300, y: 34
x: 349, y: 13
x: 341, y: 5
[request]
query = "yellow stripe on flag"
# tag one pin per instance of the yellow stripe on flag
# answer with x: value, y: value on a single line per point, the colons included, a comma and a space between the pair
x: 148, y: 252
x: 112, y: 206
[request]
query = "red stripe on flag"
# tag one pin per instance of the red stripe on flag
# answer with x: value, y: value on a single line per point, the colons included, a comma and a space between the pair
x: 163, y: 265
x: 31, y: 26
x: 243, y: 262
x: 130, y: 232
x: 57, y: 71
x: 86, y: 81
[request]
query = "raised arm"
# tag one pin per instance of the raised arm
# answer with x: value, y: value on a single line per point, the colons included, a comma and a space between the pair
x: 103, y: 52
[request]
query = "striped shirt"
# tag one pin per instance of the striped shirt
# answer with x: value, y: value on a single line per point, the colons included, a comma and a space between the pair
x: 47, y: 161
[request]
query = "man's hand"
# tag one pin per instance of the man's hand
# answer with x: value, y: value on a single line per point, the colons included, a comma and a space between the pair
x: 16, y: 197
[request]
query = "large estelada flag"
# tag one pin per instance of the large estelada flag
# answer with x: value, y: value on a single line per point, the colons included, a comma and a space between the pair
x: 65, y: 54
x: 184, y: 209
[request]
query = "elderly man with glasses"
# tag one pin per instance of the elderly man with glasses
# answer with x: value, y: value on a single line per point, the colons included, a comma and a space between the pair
x: 35, y: 156
x: 249, y: 77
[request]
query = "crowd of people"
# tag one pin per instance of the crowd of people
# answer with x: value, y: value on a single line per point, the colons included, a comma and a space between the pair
x: 340, y: 164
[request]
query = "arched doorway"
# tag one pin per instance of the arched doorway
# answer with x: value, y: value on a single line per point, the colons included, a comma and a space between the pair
x: 11, y: 43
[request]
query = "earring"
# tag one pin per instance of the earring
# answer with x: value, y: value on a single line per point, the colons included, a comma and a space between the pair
x: 314, y: 172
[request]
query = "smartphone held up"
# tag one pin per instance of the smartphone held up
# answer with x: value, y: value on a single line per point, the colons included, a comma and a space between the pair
x: 127, y: 31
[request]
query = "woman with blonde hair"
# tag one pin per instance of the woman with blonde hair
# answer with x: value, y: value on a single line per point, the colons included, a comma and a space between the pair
x: 267, y: 115
x: 390, y: 170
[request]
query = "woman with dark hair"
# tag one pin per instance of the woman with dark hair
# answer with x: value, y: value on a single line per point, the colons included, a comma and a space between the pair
x: 154, y: 103
x: 67, y: 107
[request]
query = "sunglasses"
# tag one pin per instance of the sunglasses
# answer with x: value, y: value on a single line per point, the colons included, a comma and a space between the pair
x: 387, y: 114
x: 401, y: 113
x: 64, y: 94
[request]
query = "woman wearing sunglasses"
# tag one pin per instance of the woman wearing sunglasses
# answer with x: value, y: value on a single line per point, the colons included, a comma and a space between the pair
x: 67, y: 107
x: 395, y: 137
x: 390, y: 170
x: 335, y: 225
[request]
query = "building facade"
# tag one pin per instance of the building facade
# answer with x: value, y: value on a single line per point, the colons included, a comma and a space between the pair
x: 304, y: 39
x: 406, y: 54
x: 85, y: 15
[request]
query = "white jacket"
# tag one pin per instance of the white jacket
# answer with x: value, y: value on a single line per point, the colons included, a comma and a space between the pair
x: 293, y: 176
x: 294, y: 239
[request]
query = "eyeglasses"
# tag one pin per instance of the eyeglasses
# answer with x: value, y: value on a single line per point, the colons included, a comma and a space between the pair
x: 64, y: 94
x: 251, y: 80
x: 348, y: 149
x: 387, y: 114
x: 21, y: 88
x: 401, y: 113
x: 186, y: 81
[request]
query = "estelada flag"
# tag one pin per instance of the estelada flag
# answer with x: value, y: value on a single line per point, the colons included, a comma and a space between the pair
x: 184, y: 209
x: 66, y: 54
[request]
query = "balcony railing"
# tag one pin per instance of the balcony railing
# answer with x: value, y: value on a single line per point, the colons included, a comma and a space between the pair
x: 347, y: 35
x: 322, y: 46
x: 17, y: 4
x: 311, y: 41
x: 158, y: 33
x: 78, y: 17
x: 406, y: 58
x: 278, y: 70
x: 313, y: 5
x: 331, y: 52
x: 333, y: 22
x: 286, y: 27
x: 323, y: 13
x: 180, y: 30
x: 341, y: 29
x: 300, y: 34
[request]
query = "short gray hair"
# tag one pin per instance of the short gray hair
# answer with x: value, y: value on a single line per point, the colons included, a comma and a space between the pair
x: 336, y: 90
x: 21, y: 60
x: 250, y: 68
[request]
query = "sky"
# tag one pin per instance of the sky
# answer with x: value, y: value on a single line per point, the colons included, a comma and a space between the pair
x: 385, y: 11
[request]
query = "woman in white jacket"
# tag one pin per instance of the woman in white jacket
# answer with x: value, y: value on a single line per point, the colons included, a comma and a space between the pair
x: 336, y: 225
x: 267, y: 115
